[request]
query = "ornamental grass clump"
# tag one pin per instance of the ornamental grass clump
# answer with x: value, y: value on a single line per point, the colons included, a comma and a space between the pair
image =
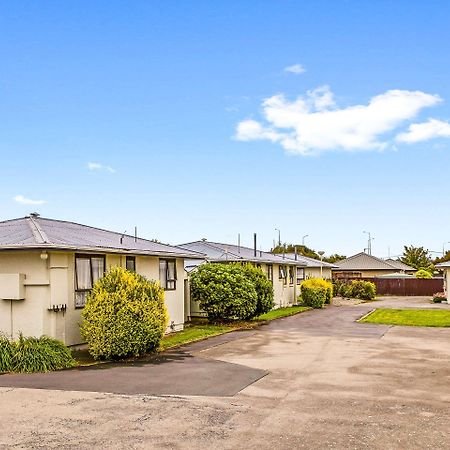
x: 315, y: 292
x: 125, y: 315
x: 43, y: 354
x: 225, y: 291
x: 6, y: 354
x: 32, y: 354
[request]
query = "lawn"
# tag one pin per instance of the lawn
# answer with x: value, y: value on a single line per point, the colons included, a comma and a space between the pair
x: 282, y: 312
x: 409, y: 317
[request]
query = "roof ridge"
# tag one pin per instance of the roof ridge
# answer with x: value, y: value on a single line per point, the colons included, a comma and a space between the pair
x: 211, y: 244
x: 38, y: 233
x: 108, y: 231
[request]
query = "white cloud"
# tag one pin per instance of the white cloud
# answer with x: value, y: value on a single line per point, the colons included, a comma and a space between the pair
x: 424, y: 131
x: 297, y: 69
x: 98, y: 166
x: 313, y: 123
x: 27, y: 201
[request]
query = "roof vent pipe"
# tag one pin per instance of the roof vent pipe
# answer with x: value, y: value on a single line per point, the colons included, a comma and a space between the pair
x: 254, y: 244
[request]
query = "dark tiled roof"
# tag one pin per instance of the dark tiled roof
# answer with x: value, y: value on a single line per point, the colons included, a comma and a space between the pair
x: 219, y: 252
x: 38, y: 232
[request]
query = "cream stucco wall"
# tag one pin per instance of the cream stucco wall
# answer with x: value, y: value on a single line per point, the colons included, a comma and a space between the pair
x: 50, y: 283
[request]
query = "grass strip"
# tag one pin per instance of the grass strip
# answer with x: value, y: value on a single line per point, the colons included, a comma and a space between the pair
x: 409, y: 317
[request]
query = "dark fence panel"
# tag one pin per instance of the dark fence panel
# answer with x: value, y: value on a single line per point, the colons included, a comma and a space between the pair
x: 407, y: 286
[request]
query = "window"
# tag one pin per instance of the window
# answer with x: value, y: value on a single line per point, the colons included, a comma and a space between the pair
x: 282, y: 274
x: 291, y: 275
x: 88, y: 269
x: 300, y: 274
x: 270, y: 272
x: 131, y: 263
x: 168, y: 274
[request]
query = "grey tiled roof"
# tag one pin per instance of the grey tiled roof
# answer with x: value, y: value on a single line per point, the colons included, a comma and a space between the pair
x: 400, y: 265
x: 363, y: 261
x: 218, y: 252
x: 310, y: 262
x: 39, y: 232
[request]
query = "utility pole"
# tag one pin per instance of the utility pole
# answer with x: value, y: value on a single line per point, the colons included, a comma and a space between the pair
x: 279, y: 236
x: 443, y: 248
x: 369, y: 242
x: 303, y: 239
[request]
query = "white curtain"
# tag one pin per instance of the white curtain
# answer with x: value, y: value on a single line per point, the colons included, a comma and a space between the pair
x: 98, y: 268
x: 83, y: 267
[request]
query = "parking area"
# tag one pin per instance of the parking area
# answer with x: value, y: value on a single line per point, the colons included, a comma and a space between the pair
x: 321, y: 380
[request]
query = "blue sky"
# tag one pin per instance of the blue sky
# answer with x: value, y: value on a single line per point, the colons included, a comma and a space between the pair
x: 196, y: 129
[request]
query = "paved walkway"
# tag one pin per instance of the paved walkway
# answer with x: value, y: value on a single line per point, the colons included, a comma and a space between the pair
x: 331, y: 383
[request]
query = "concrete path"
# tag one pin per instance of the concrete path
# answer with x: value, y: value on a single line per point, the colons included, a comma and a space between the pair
x: 332, y: 383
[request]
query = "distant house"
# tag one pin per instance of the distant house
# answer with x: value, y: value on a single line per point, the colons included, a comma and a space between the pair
x: 445, y: 267
x: 285, y: 273
x: 47, y: 268
x: 401, y: 266
x: 313, y: 267
x: 364, y: 265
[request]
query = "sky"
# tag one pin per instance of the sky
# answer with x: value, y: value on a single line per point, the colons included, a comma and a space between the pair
x: 200, y: 119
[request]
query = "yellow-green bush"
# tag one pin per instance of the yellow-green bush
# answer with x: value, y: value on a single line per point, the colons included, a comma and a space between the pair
x: 124, y: 315
x: 315, y: 292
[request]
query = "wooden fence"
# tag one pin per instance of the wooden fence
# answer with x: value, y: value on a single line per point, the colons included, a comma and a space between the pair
x: 407, y: 286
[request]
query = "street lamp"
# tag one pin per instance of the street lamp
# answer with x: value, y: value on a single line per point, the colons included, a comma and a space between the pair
x: 369, y: 242
x: 443, y: 248
x: 279, y: 236
x: 303, y: 239
x: 321, y: 253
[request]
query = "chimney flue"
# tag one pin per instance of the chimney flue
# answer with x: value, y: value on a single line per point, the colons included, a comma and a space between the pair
x: 254, y: 244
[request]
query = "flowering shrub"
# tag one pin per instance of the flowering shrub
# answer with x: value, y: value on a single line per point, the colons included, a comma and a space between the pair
x: 439, y: 297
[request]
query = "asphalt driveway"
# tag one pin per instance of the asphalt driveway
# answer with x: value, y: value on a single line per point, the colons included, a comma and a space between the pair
x: 330, y: 383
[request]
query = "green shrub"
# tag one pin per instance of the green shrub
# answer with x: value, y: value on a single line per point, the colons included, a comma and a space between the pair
x: 6, y: 354
x: 315, y: 292
x: 264, y: 289
x: 31, y: 354
x: 124, y: 315
x: 439, y: 297
x: 422, y: 273
x: 224, y: 291
x: 363, y: 290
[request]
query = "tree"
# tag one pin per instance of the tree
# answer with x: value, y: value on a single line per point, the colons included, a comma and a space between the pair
x: 335, y: 257
x: 301, y: 250
x: 417, y: 257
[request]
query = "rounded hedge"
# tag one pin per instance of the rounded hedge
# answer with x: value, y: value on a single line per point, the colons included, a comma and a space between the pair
x: 124, y: 315
x: 264, y: 289
x: 224, y: 291
x: 315, y: 292
x: 424, y: 274
x: 361, y: 289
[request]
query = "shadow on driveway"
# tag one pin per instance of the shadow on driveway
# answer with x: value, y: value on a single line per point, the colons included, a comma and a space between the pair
x: 175, y: 372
